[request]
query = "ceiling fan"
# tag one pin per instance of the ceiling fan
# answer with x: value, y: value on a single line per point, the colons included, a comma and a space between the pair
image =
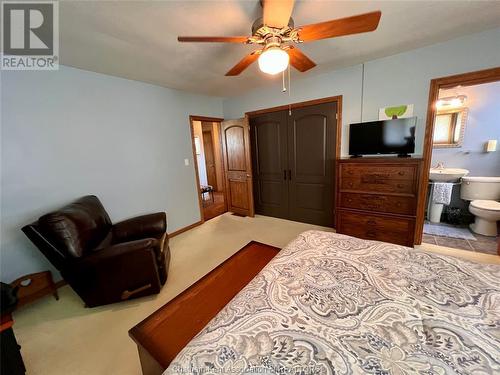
x: 275, y: 33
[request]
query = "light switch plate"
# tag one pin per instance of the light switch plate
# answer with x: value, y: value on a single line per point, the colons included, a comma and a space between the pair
x: 186, y: 162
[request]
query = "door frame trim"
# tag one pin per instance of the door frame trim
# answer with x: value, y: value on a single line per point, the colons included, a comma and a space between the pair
x: 330, y: 99
x: 468, y: 79
x: 195, y: 160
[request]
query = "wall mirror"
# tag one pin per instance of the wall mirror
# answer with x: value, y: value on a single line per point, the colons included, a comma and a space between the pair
x: 449, y: 127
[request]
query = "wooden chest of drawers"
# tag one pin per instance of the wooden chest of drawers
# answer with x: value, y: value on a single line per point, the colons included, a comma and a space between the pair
x: 377, y: 198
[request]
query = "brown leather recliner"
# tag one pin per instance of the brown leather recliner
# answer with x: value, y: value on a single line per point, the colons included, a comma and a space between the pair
x: 104, y: 263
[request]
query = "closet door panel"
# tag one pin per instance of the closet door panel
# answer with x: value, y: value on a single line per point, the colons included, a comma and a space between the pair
x: 269, y: 158
x: 311, y: 155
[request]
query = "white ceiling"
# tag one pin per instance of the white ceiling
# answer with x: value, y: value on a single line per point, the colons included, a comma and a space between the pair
x: 138, y: 39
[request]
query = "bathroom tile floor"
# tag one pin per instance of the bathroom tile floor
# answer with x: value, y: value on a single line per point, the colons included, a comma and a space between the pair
x: 483, y: 244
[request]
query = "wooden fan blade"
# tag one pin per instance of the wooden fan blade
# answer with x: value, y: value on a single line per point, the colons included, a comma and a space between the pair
x: 213, y: 39
x: 277, y: 12
x: 299, y: 60
x: 243, y: 64
x: 344, y: 26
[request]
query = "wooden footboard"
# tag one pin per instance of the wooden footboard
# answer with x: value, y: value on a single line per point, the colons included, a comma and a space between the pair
x: 162, y: 335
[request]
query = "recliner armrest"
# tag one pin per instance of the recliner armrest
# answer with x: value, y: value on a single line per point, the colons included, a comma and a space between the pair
x: 151, y: 225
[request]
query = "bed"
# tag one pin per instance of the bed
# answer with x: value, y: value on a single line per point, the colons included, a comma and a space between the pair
x: 333, y: 304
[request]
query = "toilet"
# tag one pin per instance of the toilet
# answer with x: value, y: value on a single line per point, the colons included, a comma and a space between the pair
x: 484, y: 195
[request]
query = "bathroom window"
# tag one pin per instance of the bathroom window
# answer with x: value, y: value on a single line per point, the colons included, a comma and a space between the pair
x: 449, y: 128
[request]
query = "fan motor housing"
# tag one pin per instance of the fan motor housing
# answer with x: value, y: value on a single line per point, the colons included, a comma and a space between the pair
x: 259, y: 24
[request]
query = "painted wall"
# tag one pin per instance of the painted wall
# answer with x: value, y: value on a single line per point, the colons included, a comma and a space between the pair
x: 219, y: 170
x: 71, y: 132
x: 399, y: 79
x: 202, y: 168
x: 483, y: 123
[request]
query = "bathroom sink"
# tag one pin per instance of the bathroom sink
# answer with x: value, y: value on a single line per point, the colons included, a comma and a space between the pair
x: 447, y: 174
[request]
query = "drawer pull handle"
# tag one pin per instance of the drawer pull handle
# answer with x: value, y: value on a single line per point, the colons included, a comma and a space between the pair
x: 371, y: 222
x: 398, y: 204
x: 350, y: 184
x: 401, y: 173
x: 400, y: 186
x: 373, y: 199
x: 349, y: 200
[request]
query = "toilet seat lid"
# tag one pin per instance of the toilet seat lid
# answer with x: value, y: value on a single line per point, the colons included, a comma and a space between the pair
x: 486, y: 205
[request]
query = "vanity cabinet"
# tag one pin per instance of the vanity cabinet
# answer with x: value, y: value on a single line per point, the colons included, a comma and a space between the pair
x: 377, y: 198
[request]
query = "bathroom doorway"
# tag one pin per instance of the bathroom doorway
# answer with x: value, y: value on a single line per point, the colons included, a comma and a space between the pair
x: 207, y: 152
x: 463, y: 195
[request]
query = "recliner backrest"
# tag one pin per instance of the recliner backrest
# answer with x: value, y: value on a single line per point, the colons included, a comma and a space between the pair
x: 77, y: 227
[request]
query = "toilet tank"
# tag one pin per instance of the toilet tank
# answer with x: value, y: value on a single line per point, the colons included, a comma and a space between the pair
x: 487, y: 188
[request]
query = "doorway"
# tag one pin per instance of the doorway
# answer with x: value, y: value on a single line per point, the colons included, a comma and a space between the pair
x: 463, y: 191
x: 207, y: 153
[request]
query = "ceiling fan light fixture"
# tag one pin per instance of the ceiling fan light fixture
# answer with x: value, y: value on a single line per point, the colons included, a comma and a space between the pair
x: 273, y: 60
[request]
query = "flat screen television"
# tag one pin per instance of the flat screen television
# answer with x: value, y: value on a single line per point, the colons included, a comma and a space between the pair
x: 383, y: 137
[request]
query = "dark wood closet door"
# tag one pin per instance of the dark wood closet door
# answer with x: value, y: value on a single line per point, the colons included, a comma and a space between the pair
x: 311, y: 155
x: 269, y: 163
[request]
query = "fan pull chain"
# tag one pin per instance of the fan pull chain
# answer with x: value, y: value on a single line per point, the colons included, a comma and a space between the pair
x: 289, y: 92
x: 289, y: 88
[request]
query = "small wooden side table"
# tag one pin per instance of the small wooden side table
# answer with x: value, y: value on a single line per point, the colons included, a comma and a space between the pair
x: 34, y: 286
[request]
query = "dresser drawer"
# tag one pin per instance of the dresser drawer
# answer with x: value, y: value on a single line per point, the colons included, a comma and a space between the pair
x: 373, y: 184
x: 379, y: 203
x: 379, y: 171
x: 373, y: 227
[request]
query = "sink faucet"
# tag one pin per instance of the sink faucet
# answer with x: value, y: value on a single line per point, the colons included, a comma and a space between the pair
x: 440, y: 165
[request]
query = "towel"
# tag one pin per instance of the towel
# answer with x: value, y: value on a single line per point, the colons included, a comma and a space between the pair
x: 441, y: 192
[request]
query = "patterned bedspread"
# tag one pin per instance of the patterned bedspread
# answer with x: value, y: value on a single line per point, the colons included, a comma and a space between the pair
x: 333, y: 304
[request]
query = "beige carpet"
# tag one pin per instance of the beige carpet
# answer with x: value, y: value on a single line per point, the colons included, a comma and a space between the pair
x: 63, y: 338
